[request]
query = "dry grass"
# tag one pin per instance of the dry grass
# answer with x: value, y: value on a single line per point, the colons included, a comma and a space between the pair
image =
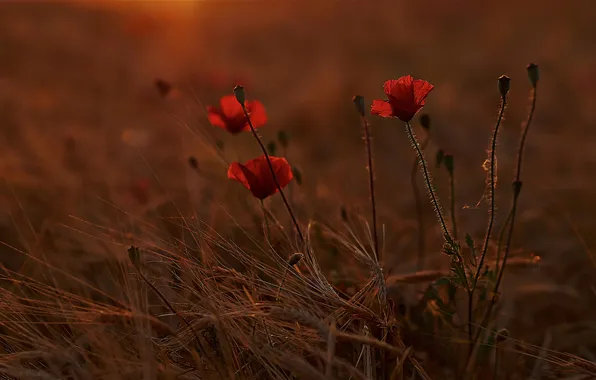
x: 83, y: 129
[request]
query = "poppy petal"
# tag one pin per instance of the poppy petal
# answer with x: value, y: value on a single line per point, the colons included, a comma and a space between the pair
x: 258, y: 116
x: 283, y: 171
x: 230, y: 107
x: 421, y: 90
x: 240, y: 173
x: 214, y: 116
x: 399, y: 88
x: 381, y: 108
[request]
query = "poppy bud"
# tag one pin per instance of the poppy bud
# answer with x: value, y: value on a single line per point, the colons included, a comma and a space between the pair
x: 192, y: 161
x: 283, y: 138
x: 297, y: 175
x: 425, y: 121
x: 134, y: 255
x: 164, y: 88
x: 502, y: 335
x: 440, y: 157
x: 271, y: 148
x: 503, y: 85
x: 359, y: 103
x: 344, y: 214
x: 449, y: 163
x: 240, y: 95
x: 295, y: 258
x: 533, y: 74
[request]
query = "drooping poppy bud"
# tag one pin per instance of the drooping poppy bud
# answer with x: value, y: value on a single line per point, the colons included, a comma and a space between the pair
x: 359, y: 104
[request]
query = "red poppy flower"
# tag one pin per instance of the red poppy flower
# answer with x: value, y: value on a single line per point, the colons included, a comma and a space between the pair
x: 230, y: 115
x: 406, y: 96
x: 256, y: 176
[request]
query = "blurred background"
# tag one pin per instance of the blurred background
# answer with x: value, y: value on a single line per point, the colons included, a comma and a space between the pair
x: 86, y: 139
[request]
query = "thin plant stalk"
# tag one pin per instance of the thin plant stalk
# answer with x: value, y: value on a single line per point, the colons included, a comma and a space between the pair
x: 283, y: 197
x: 491, y: 218
x: 428, y: 181
x: 419, y: 209
x: 517, y: 185
x: 371, y: 183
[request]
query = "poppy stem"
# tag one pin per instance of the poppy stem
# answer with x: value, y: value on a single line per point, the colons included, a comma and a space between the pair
x: 491, y: 218
x: 283, y: 197
x: 428, y: 180
x: 419, y: 209
x: 371, y: 181
x: 517, y: 185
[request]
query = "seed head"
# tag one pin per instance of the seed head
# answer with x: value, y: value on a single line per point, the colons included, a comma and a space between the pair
x: 295, y: 258
x: 533, y: 74
x: 502, y: 335
x: 240, y: 94
x: 503, y: 85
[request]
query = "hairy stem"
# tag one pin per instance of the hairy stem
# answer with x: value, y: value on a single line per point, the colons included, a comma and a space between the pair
x: 491, y: 217
x: 419, y: 209
x: 428, y: 181
x: 517, y: 185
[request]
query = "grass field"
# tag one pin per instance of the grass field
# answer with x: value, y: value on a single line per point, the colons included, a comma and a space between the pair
x: 96, y: 160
